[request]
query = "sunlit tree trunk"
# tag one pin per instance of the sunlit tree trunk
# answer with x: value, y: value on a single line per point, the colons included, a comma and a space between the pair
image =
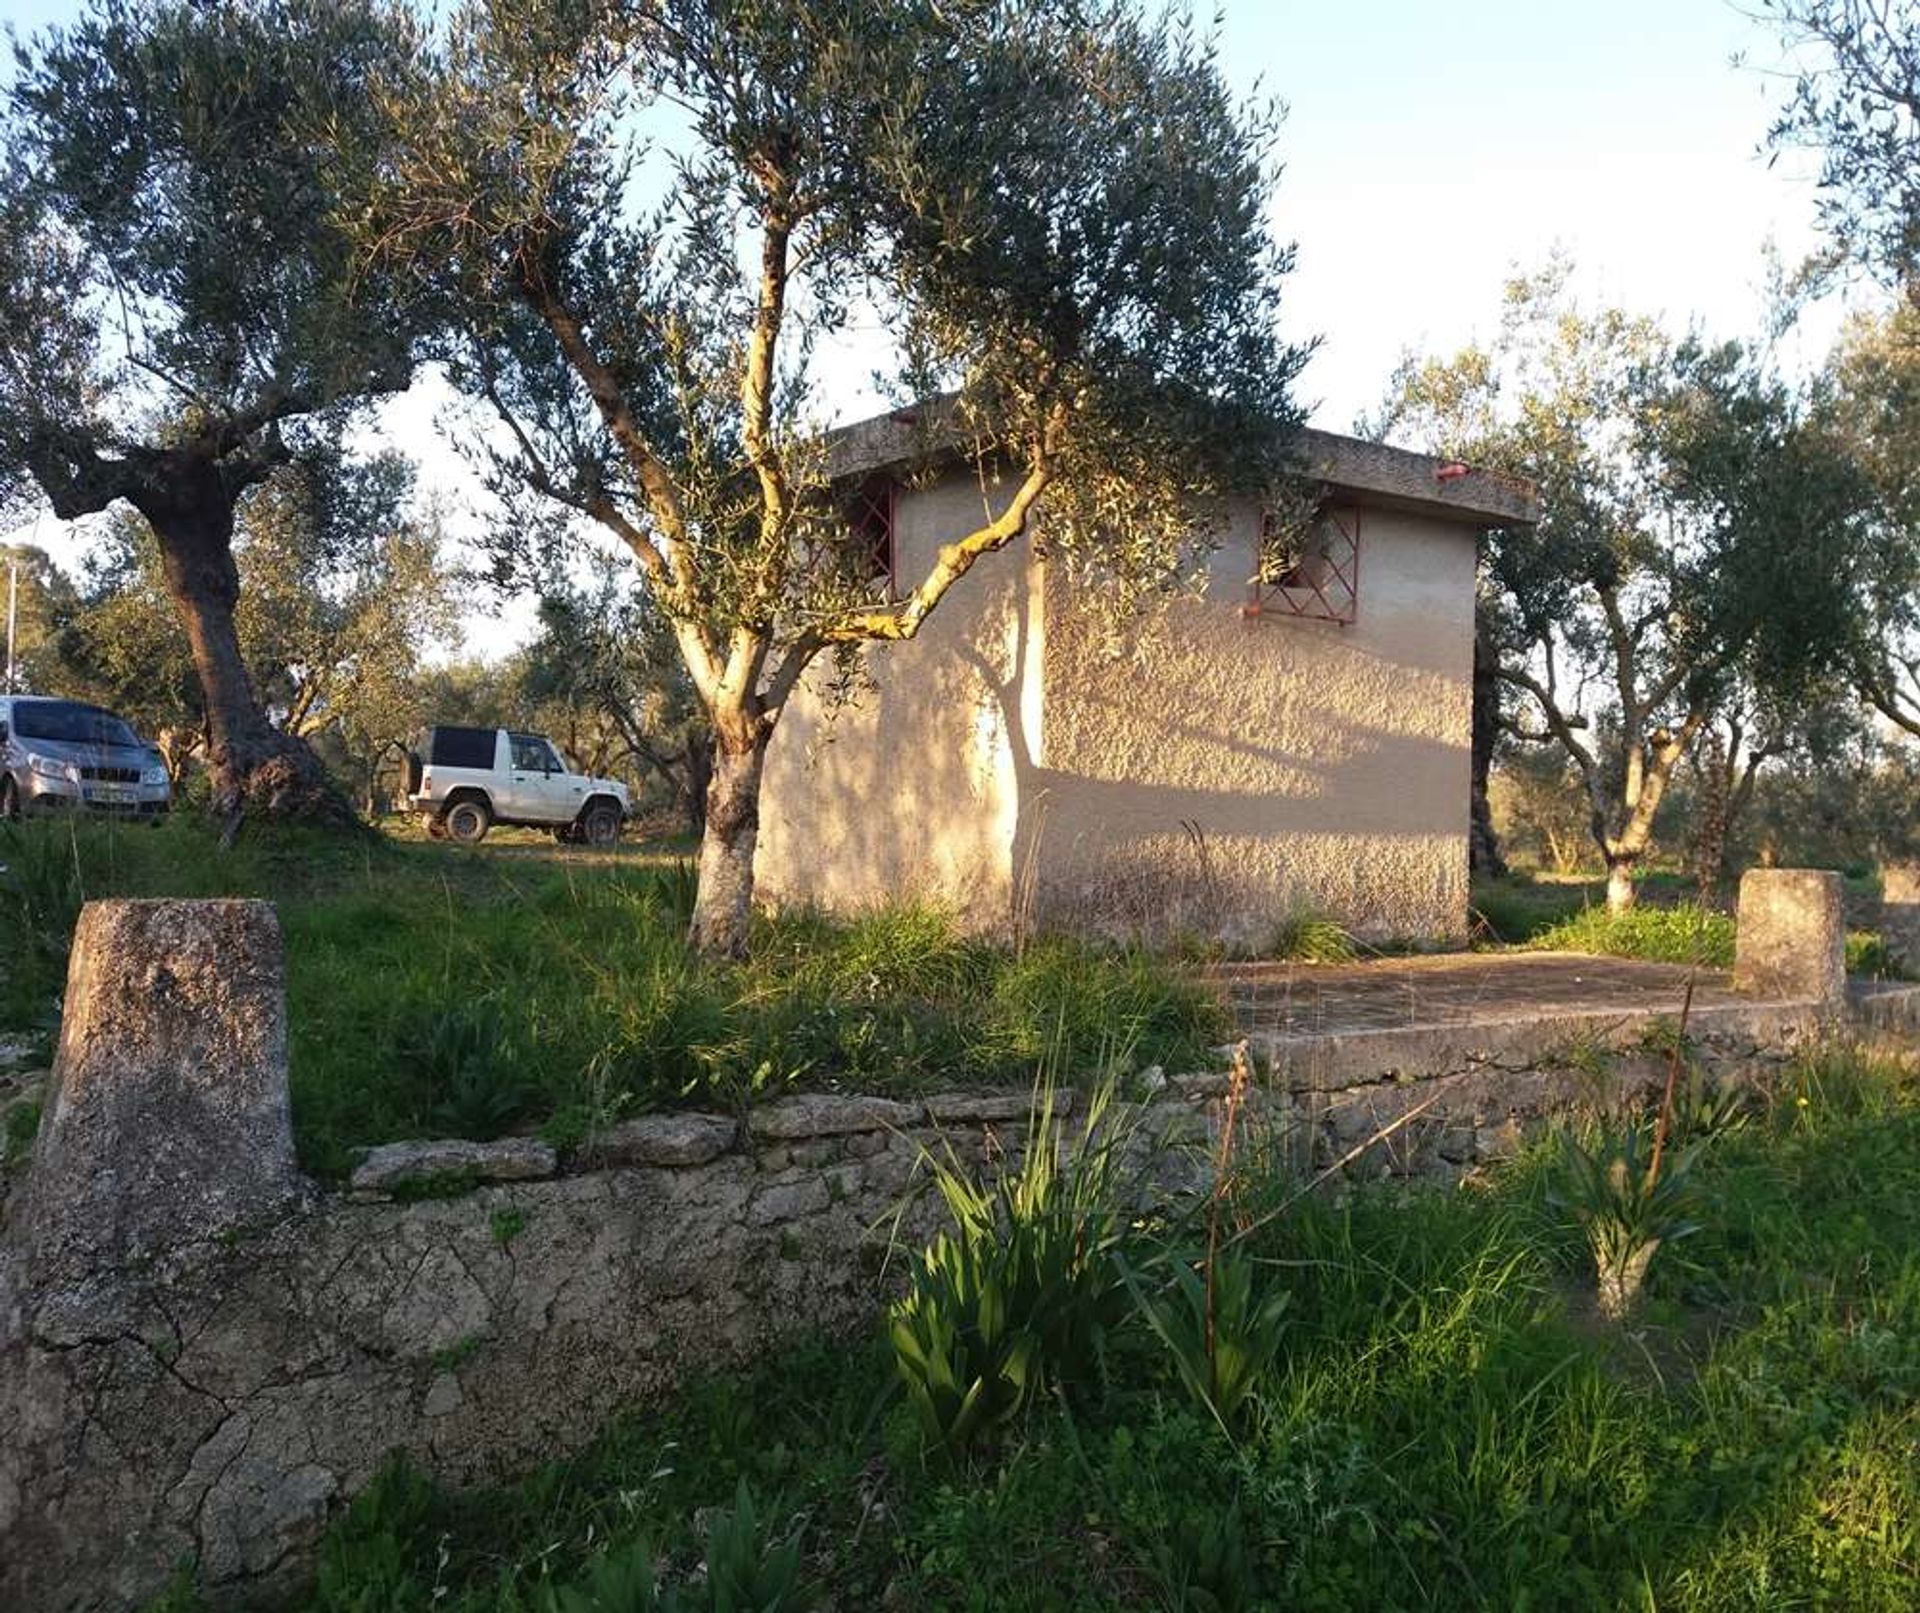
x: 723, y: 909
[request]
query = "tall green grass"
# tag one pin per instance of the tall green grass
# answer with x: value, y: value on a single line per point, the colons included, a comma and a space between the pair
x: 1443, y: 1426
x: 1684, y: 933
x: 432, y: 989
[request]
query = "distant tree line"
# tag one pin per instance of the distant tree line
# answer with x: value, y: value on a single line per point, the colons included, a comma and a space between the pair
x: 621, y: 229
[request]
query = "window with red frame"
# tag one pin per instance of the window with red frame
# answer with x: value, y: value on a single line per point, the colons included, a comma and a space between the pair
x: 1310, y: 570
x: 871, y: 514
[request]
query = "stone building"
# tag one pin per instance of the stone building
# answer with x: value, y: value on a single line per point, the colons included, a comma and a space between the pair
x: 1292, y: 736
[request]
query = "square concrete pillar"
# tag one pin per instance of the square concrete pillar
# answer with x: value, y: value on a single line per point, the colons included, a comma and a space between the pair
x: 1900, y: 914
x: 1792, y: 942
x: 168, y: 1121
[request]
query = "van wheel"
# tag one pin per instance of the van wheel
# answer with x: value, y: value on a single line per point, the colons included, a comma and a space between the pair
x: 9, y: 800
x: 600, y: 824
x: 468, y: 822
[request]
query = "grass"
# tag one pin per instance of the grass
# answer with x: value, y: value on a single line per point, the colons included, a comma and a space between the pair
x: 1519, y: 907
x: 1307, y: 937
x: 1446, y: 1424
x: 438, y: 991
x: 1684, y: 933
x: 1869, y: 956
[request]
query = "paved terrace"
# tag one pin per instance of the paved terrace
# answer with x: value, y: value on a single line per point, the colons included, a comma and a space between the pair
x: 1492, y: 997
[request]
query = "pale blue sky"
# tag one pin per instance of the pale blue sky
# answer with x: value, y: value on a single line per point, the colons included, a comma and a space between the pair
x: 1430, y: 149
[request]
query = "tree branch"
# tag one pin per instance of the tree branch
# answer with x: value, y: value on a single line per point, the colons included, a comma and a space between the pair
x: 955, y: 560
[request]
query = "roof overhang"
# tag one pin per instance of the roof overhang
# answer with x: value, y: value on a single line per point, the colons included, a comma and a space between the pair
x: 1369, y: 474
x: 1377, y: 476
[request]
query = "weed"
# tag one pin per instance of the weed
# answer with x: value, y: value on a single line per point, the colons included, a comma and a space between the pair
x: 1628, y: 1207
x: 1684, y: 933
x: 1436, y: 1431
x: 435, y: 1185
x: 41, y: 890
x: 1304, y: 936
x: 21, y: 1127
x: 485, y: 994
x: 1869, y: 955
x: 1223, y: 1324
x: 1203, y: 1565
x: 1022, y: 1295
x: 745, y: 1570
x: 457, y: 1354
x: 504, y: 1225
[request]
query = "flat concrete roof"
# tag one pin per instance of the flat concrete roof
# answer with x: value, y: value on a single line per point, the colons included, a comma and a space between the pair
x: 1370, y: 474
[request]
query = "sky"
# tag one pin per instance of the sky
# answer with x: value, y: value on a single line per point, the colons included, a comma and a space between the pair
x: 1430, y: 151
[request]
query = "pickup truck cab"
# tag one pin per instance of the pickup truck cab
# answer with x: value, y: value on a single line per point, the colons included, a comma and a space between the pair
x: 465, y: 780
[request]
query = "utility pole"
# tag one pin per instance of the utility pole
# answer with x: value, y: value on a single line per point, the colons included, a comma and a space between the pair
x: 13, y: 614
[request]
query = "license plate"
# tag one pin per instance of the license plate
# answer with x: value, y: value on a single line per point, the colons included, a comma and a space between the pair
x: 112, y: 794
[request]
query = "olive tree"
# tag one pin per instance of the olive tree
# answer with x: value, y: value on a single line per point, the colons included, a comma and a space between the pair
x: 178, y: 311
x: 604, y: 657
x: 1857, y: 101
x: 1873, y: 397
x: 343, y: 590
x: 1699, y: 539
x: 39, y: 595
x: 652, y: 211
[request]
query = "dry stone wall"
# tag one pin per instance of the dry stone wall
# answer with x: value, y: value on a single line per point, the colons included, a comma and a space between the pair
x: 210, y: 1354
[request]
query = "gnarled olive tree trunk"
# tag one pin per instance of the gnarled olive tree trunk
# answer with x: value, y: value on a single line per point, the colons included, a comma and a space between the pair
x: 723, y: 909
x: 255, y: 767
x: 1483, y: 845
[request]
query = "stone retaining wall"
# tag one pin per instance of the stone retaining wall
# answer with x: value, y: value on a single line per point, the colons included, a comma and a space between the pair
x: 205, y: 1377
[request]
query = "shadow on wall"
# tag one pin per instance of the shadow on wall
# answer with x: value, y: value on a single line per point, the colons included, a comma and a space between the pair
x: 1326, y: 828
x: 1220, y: 777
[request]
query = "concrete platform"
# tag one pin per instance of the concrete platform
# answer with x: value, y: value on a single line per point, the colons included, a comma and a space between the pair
x: 1321, y: 1026
x: 1455, y: 989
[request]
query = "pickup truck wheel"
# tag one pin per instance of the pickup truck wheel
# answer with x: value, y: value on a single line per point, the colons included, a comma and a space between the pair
x: 468, y: 822
x: 600, y: 824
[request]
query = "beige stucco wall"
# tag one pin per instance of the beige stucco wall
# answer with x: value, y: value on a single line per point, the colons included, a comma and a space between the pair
x: 1221, y: 771
x: 910, y: 791
x: 1210, y: 774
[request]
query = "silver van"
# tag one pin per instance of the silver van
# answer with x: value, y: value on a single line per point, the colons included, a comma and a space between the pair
x: 66, y: 755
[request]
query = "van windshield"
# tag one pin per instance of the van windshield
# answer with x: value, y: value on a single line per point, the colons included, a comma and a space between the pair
x: 68, y: 722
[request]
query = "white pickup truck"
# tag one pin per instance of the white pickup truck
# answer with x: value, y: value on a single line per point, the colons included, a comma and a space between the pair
x: 465, y: 780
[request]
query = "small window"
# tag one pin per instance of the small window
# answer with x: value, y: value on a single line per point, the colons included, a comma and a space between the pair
x: 532, y: 754
x: 462, y: 747
x: 870, y: 523
x: 1309, y: 569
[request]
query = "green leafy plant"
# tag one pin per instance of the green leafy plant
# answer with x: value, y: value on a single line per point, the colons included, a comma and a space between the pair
x: 467, y: 1059
x: 41, y: 891
x: 747, y: 1570
x: 1223, y: 1324
x: 1868, y: 954
x: 1025, y: 1290
x: 1705, y: 1108
x: 1304, y: 936
x: 1629, y: 1201
x: 1203, y: 1565
x: 21, y: 1126
x: 1683, y: 933
x: 621, y: 1580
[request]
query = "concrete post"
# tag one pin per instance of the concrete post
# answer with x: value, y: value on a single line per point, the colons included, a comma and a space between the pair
x: 168, y: 1118
x: 1900, y: 914
x: 1793, y: 937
